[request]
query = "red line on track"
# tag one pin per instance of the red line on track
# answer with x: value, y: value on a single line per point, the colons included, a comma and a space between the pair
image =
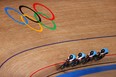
x: 111, y: 55
x: 57, y: 64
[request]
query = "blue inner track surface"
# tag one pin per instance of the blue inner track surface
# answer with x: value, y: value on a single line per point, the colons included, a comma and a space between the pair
x: 87, y: 71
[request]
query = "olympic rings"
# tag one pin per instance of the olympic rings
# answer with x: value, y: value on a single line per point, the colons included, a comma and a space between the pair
x: 53, y: 17
x: 36, y: 18
x: 51, y: 28
x: 8, y: 8
x: 21, y: 6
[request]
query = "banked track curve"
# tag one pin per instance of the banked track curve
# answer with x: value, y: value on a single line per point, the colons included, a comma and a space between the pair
x: 65, y: 41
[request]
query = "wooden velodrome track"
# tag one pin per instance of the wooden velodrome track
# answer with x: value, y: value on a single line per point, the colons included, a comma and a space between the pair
x: 82, y: 25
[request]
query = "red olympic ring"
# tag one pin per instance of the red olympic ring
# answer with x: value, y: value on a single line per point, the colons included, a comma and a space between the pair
x: 34, y: 6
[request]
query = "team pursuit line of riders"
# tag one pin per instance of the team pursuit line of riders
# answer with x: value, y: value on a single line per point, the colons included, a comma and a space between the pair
x: 82, y: 58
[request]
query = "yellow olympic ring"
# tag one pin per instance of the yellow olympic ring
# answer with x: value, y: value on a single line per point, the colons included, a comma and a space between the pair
x: 41, y: 28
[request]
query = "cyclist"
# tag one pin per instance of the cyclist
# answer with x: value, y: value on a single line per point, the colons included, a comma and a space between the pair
x: 92, y: 54
x: 104, y: 51
x: 71, y: 57
x: 81, y: 55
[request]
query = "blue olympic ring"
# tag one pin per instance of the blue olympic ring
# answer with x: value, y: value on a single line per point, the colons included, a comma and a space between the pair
x: 8, y: 8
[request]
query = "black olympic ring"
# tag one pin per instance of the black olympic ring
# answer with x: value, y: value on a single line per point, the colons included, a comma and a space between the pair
x: 22, y: 6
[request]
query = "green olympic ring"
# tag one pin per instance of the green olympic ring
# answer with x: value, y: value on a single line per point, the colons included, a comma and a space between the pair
x: 51, y: 28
